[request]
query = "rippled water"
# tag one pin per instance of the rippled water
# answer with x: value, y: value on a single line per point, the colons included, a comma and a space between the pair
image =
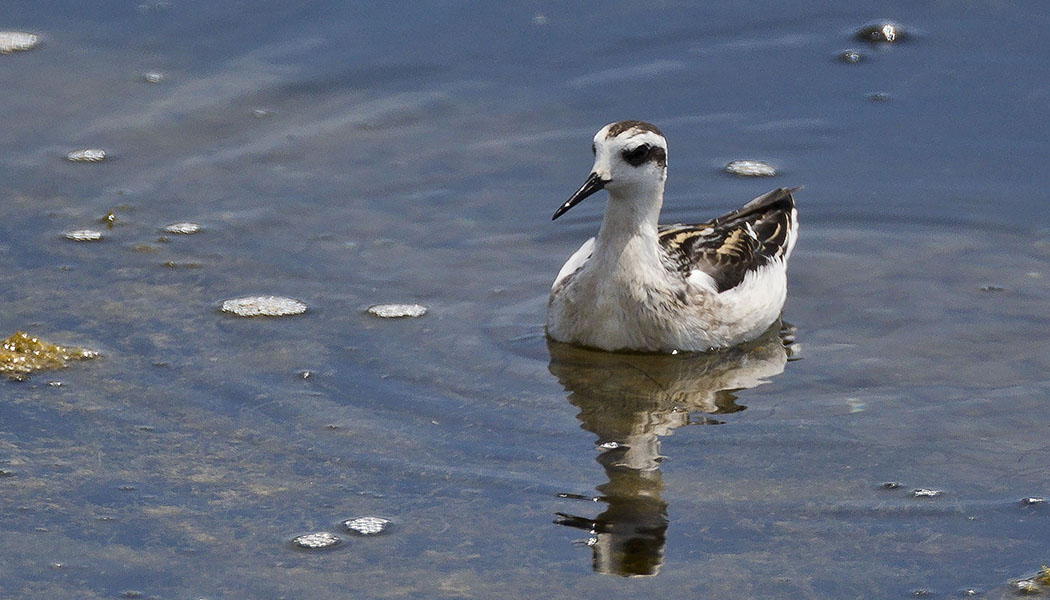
x: 351, y: 156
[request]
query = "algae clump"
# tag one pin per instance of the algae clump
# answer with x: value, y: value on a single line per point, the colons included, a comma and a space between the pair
x: 22, y: 354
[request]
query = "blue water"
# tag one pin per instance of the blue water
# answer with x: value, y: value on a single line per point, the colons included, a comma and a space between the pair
x: 415, y: 154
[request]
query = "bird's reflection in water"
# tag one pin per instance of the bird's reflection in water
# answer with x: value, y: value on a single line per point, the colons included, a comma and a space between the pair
x: 629, y: 401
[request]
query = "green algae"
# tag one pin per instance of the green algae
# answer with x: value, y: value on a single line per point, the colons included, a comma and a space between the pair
x: 22, y: 354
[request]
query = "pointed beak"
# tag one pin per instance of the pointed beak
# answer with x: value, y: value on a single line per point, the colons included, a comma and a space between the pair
x: 593, y: 184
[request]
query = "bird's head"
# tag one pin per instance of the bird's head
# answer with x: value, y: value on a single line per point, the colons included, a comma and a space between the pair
x: 628, y: 156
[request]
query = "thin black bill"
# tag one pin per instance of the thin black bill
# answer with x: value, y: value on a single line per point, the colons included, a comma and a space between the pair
x: 593, y: 184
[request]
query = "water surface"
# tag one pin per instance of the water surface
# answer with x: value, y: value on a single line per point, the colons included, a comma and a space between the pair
x: 348, y: 156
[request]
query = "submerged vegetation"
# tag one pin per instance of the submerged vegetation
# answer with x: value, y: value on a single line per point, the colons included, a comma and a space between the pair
x: 22, y: 354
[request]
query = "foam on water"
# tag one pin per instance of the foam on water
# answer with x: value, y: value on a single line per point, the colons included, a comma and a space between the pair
x: 264, y: 306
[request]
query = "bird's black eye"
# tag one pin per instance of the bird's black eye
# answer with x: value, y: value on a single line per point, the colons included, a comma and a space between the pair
x: 594, y: 150
x: 637, y: 156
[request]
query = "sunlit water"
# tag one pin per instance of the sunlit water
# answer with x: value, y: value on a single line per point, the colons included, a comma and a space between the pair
x: 350, y: 157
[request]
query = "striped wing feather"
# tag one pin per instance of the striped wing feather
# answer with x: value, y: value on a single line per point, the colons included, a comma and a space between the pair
x: 728, y: 247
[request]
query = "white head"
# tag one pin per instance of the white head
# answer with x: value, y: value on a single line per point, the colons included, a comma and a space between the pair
x: 629, y: 157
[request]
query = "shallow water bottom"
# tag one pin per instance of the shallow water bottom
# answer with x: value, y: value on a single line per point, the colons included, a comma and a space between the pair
x: 478, y: 439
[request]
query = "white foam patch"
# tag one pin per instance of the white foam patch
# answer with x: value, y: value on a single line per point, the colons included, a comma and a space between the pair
x: 367, y: 525
x: 751, y: 168
x: 87, y: 155
x: 183, y: 228
x: 17, y: 41
x: 83, y: 235
x: 397, y: 311
x: 316, y: 541
x: 264, y: 306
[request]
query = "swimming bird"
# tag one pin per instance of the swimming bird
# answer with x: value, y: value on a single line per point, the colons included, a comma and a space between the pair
x: 640, y: 286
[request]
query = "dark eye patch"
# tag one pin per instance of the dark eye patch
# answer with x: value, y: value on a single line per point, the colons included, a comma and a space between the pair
x: 594, y: 150
x: 637, y: 156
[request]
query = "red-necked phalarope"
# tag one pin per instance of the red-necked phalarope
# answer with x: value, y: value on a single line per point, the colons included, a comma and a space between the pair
x: 665, y: 288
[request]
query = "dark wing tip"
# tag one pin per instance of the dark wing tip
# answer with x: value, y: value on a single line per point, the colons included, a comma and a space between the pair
x: 780, y: 198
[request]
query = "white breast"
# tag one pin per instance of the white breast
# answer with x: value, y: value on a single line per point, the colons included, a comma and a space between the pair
x: 575, y: 261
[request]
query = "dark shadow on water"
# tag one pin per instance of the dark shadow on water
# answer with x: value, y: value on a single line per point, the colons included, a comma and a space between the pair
x: 631, y: 401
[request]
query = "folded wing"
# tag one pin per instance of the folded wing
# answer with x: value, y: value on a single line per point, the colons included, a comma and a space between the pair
x: 727, y: 248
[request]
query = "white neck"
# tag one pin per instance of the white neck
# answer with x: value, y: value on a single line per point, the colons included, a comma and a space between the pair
x: 627, y: 240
